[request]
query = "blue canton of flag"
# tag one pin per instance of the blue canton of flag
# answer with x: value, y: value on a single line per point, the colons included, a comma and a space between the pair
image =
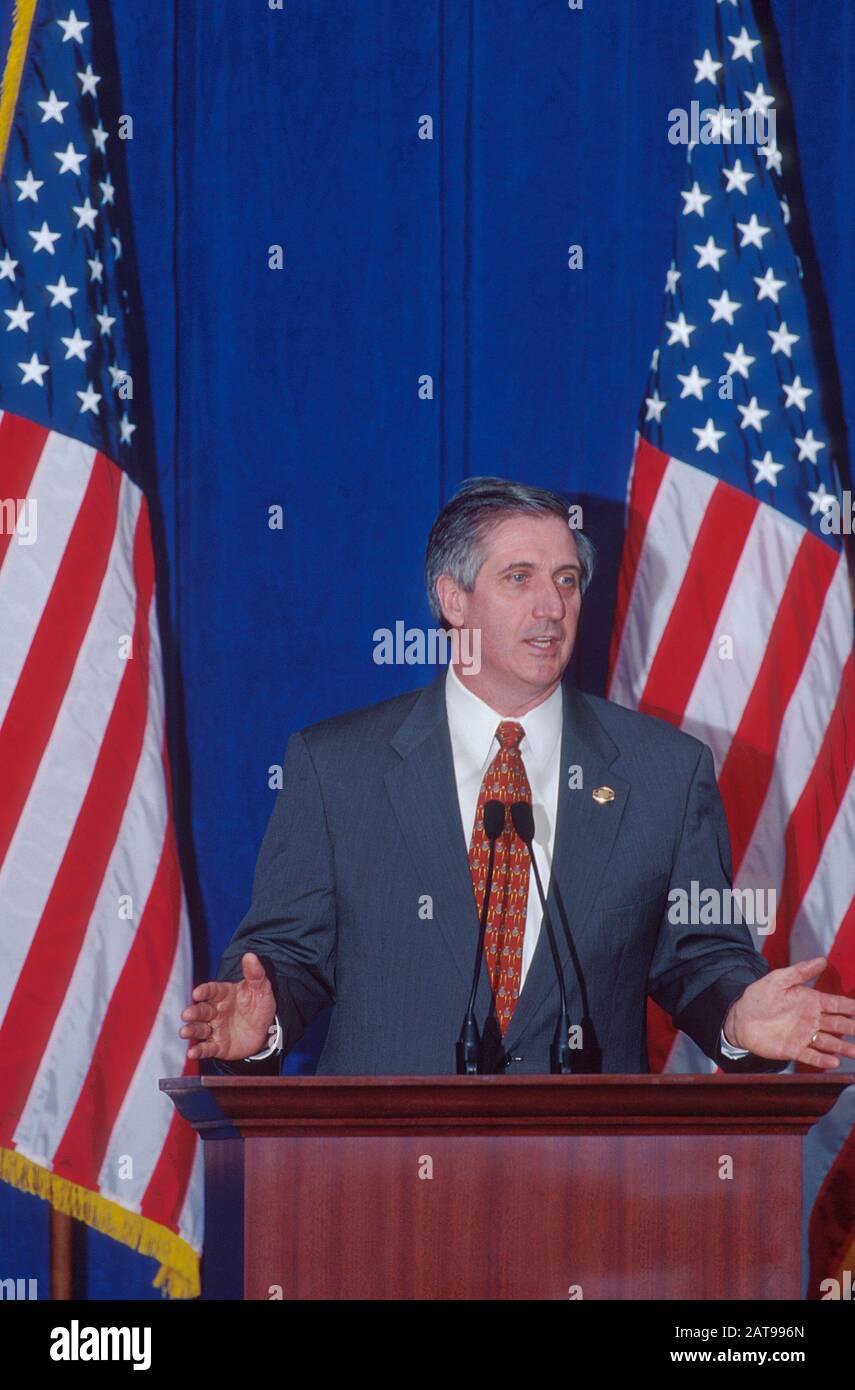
x: 64, y: 301
x: 733, y: 386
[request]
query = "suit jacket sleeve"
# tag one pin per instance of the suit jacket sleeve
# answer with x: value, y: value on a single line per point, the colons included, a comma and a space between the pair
x: 291, y: 922
x: 699, y: 970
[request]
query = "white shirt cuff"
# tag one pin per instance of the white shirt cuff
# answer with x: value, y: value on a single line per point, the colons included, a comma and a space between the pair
x: 734, y: 1053
x: 274, y: 1042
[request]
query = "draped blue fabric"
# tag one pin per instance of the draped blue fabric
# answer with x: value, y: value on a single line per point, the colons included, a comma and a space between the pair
x: 404, y: 258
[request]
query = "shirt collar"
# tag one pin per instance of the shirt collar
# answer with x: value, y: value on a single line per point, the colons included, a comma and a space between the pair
x: 473, y: 722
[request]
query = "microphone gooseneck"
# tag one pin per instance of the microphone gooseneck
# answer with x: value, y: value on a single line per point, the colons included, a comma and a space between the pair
x: 560, y: 1052
x: 470, y: 1049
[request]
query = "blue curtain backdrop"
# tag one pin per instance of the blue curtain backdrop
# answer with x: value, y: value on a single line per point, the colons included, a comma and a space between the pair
x: 403, y: 257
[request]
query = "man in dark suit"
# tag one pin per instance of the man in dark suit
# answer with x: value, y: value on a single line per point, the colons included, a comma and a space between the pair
x: 370, y: 879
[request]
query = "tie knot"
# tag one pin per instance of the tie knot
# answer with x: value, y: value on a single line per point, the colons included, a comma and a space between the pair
x: 509, y: 733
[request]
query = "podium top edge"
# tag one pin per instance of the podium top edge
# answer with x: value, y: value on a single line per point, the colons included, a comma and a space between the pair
x: 748, y: 1080
x: 232, y: 1106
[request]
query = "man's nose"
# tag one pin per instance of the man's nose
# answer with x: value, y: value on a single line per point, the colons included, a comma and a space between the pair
x: 549, y: 602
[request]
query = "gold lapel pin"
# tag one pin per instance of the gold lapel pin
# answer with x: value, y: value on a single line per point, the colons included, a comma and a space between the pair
x: 602, y: 794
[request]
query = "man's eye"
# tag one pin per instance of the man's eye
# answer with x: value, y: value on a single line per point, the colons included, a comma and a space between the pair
x: 519, y: 575
x: 571, y: 580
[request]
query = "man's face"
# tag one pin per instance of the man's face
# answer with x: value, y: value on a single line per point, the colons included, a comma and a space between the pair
x: 526, y: 604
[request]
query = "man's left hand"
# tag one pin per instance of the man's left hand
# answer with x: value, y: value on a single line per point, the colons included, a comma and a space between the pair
x: 779, y: 1017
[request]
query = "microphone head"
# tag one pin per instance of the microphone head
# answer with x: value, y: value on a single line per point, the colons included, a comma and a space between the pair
x: 523, y: 819
x: 494, y: 819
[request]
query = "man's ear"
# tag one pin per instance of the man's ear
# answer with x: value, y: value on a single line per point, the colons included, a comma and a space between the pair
x: 449, y: 600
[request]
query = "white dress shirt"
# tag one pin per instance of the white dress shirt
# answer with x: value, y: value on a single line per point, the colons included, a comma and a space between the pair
x: 472, y: 725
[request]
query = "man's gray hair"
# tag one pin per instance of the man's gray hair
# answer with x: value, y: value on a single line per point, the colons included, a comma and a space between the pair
x: 456, y: 542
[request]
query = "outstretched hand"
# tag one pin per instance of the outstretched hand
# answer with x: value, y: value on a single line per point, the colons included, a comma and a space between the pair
x: 230, y: 1020
x: 779, y: 1016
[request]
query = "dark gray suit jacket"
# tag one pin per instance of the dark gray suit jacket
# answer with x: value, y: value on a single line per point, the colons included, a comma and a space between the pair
x: 366, y: 831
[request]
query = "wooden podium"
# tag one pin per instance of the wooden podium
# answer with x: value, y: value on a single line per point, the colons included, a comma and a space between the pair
x: 619, y: 1187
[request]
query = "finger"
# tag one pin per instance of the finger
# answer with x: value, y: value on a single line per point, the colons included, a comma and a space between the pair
x: 253, y: 971
x: 837, y: 1023
x: 837, y: 1004
x: 194, y: 1012
x: 812, y: 1058
x: 826, y: 1042
x: 212, y: 990
x: 202, y: 1031
x: 804, y: 970
x: 203, y: 1041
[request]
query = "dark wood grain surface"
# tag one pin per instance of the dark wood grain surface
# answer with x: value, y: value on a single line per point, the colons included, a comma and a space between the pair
x: 615, y: 1187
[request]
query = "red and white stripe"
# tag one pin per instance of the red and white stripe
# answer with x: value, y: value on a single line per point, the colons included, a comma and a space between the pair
x: 95, y: 961
x: 702, y: 562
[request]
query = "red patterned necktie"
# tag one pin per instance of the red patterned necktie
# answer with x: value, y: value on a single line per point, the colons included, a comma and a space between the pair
x: 505, y: 780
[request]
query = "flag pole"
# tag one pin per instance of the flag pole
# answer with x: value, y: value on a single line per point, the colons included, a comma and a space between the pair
x: 61, y: 1238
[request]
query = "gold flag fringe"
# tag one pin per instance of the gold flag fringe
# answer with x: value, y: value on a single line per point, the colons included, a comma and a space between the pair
x: 178, y: 1275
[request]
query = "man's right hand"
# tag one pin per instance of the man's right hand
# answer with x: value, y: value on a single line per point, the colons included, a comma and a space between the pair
x: 231, y: 1020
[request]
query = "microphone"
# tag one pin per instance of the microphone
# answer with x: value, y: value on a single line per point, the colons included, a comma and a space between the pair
x: 560, y: 1053
x: 469, y: 1046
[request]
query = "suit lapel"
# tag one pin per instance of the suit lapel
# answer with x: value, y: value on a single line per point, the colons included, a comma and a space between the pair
x: 585, y: 833
x: 423, y: 791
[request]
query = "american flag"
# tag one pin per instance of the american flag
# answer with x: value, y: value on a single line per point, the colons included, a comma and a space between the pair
x: 95, y: 960
x: 734, y: 612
